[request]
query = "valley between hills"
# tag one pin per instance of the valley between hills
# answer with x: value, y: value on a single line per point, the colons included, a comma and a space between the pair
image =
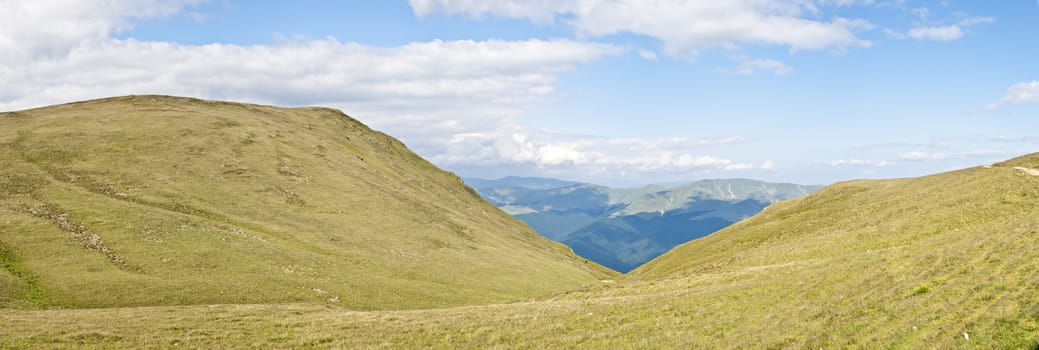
x: 161, y: 222
x: 623, y: 228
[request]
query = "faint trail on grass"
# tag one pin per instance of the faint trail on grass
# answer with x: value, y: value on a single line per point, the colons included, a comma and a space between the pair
x: 90, y: 240
x: 1028, y: 171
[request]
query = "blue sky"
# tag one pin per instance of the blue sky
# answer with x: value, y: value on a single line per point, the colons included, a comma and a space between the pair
x: 617, y: 92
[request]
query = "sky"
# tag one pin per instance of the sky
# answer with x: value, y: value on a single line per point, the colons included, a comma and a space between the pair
x: 614, y: 92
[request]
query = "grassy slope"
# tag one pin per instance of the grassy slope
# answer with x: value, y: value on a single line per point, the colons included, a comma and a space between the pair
x: 152, y: 200
x: 908, y: 263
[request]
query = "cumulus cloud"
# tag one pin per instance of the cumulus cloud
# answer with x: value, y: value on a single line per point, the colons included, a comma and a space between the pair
x: 685, y: 27
x: 1024, y: 92
x: 768, y: 165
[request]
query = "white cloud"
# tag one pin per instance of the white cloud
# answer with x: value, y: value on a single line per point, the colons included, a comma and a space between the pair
x: 56, y: 51
x: 648, y: 55
x: 538, y: 11
x: 1018, y: 139
x: 768, y: 165
x: 970, y: 21
x: 748, y: 66
x: 1024, y: 92
x: 941, y: 33
x: 440, y: 82
x: 894, y: 34
x: 50, y: 28
x: 860, y: 162
x: 512, y: 144
x: 920, y: 156
x: 949, y: 32
x: 915, y: 155
x: 685, y: 27
x: 739, y: 166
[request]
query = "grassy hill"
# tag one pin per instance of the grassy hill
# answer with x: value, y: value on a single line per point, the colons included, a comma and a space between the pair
x: 948, y: 261
x: 153, y: 200
x: 624, y: 228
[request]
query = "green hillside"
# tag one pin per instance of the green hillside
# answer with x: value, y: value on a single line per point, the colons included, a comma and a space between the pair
x: 153, y: 200
x: 624, y: 228
x: 949, y: 261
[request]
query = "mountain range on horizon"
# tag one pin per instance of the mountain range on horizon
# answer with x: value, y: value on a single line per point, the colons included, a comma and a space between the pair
x: 623, y: 228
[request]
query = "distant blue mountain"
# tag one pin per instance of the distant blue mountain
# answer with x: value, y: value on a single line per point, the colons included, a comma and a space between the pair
x: 624, y: 228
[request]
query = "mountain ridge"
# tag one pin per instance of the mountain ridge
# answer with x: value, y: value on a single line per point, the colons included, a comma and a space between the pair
x: 160, y: 200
